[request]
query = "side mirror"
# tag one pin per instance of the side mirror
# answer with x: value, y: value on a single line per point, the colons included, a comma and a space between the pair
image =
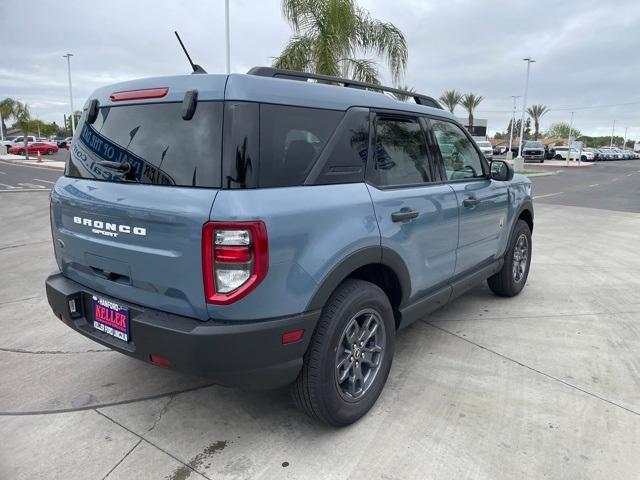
x: 502, y: 171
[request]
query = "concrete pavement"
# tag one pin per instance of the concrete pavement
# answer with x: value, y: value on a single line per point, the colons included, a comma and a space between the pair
x: 546, y: 384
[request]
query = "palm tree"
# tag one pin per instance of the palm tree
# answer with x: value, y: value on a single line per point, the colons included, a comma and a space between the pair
x: 7, y: 110
x: 470, y: 101
x: 331, y: 37
x: 535, y: 112
x: 401, y: 96
x: 23, y: 120
x: 451, y: 99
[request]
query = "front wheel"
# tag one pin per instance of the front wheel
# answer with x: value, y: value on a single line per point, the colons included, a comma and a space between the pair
x: 348, y: 360
x: 511, y: 278
x: 50, y: 151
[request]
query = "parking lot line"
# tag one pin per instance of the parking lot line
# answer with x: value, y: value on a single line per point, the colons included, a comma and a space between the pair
x: 548, y: 195
x: 22, y: 190
x: 8, y: 186
x: 629, y: 174
x: 594, y: 185
x: 45, y: 181
x: 2, y: 173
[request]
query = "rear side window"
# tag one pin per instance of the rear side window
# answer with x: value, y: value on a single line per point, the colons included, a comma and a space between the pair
x: 400, y: 156
x: 150, y: 144
x: 291, y: 139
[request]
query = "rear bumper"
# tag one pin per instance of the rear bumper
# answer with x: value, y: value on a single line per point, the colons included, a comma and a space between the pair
x: 242, y: 354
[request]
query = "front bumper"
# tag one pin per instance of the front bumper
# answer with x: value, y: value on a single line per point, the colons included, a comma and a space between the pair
x: 242, y: 354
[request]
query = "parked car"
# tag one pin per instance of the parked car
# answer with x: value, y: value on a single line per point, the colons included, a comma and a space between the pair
x: 284, y: 251
x: 588, y: 155
x: 44, y: 148
x: 17, y: 141
x: 561, y: 153
x: 533, y: 151
x: 486, y: 149
x: 613, y: 152
x: 60, y: 141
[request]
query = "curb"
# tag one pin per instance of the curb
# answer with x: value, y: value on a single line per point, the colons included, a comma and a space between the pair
x: 17, y: 162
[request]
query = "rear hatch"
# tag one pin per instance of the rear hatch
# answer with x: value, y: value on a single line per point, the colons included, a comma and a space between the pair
x: 140, y: 182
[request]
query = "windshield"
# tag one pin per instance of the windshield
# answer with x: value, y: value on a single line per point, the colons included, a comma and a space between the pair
x: 534, y: 145
x: 150, y: 144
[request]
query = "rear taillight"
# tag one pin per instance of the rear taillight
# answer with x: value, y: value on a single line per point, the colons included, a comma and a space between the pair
x: 235, y: 259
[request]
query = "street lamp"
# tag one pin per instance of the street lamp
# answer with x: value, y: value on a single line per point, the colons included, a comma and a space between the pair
x: 569, y: 139
x: 226, y: 28
x: 73, y: 121
x: 612, y: 132
x: 513, y: 126
x: 524, y: 107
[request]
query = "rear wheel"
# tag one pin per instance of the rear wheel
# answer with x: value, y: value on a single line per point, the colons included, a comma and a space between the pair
x: 20, y: 152
x: 510, y: 280
x: 348, y: 361
x: 558, y: 157
x: 50, y: 151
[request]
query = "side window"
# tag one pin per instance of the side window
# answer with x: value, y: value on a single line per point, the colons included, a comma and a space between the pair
x: 461, y: 159
x: 291, y: 139
x: 400, y: 155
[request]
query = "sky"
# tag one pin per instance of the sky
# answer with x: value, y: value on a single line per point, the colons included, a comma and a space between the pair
x: 586, y: 51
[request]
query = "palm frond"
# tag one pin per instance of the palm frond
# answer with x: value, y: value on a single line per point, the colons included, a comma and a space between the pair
x: 386, y: 40
x: 297, y: 55
x: 363, y: 70
x: 451, y: 99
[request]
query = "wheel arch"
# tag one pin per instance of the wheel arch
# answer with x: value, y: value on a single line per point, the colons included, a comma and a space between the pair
x: 378, y: 265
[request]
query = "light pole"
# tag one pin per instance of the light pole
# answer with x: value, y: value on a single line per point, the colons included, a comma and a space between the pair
x: 513, y: 125
x: 73, y: 121
x: 226, y: 28
x: 624, y: 145
x: 529, y: 61
x: 612, y: 132
x: 569, y: 139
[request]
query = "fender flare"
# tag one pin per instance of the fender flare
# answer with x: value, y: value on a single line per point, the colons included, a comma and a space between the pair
x: 355, y: 260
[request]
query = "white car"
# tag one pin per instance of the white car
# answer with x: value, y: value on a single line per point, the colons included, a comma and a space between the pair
x: 561, y: 153
x: 486, y: 148
x: 17, y: 141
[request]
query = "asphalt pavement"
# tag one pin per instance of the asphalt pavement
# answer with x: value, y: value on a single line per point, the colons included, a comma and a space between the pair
x: 17, y: 178
x: 543, y: 385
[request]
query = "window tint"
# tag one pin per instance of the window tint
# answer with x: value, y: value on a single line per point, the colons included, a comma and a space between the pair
x: 241, y: 164
x: 461, y: 160
x: 153, y: 139
x: 291, y: 139
x: 400, y: 153
x: 348, y: 149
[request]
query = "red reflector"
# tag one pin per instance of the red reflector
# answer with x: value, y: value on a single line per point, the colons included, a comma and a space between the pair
x: 139, y: 94
x: 291, y: 337
x: 161, y: 361
x: 232, y: 254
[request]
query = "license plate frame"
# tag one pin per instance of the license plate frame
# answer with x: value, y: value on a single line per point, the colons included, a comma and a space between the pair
x: 110, y: 318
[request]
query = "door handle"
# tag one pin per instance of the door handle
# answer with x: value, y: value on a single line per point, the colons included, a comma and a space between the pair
x: 404, y: 214
x: 470, y: 202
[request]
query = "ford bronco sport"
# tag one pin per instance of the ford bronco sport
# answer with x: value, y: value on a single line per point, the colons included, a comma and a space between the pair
x: 276, y: 228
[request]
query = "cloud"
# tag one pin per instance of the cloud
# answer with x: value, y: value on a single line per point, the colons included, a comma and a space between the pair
x: 585, y: 50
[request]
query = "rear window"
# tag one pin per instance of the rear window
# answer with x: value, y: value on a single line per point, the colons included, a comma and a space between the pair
x: 150, y: 144
x: 533, y: 145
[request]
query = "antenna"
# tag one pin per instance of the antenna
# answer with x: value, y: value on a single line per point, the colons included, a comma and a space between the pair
x: 196, y: 68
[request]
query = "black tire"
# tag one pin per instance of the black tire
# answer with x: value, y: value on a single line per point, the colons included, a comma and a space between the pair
x: 50, y: 151
x: 504, y: 283
x: 316, y: 391
x: 542, y: 160
x: 558, y: 157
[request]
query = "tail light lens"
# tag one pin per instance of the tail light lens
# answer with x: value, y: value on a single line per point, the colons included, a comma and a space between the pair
x: 235, y: 259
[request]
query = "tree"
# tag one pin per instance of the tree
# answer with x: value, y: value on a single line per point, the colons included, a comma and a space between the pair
x: 7, y: 110
x: 527, y: 129
x: 561, y: 130
x: 451, y: 99
x: 402, y: 97
x: 23, y: 120
x: 535, y: 112
x: 329, y: 37
x: 470, y: 101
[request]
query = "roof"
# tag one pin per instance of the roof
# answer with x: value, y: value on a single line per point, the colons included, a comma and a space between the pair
x: 241, y: 87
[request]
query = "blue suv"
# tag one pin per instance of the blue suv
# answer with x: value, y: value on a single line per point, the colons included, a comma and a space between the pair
x: 276, y: 228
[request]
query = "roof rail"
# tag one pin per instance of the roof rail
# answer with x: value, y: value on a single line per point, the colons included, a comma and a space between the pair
x: 345, y: 82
